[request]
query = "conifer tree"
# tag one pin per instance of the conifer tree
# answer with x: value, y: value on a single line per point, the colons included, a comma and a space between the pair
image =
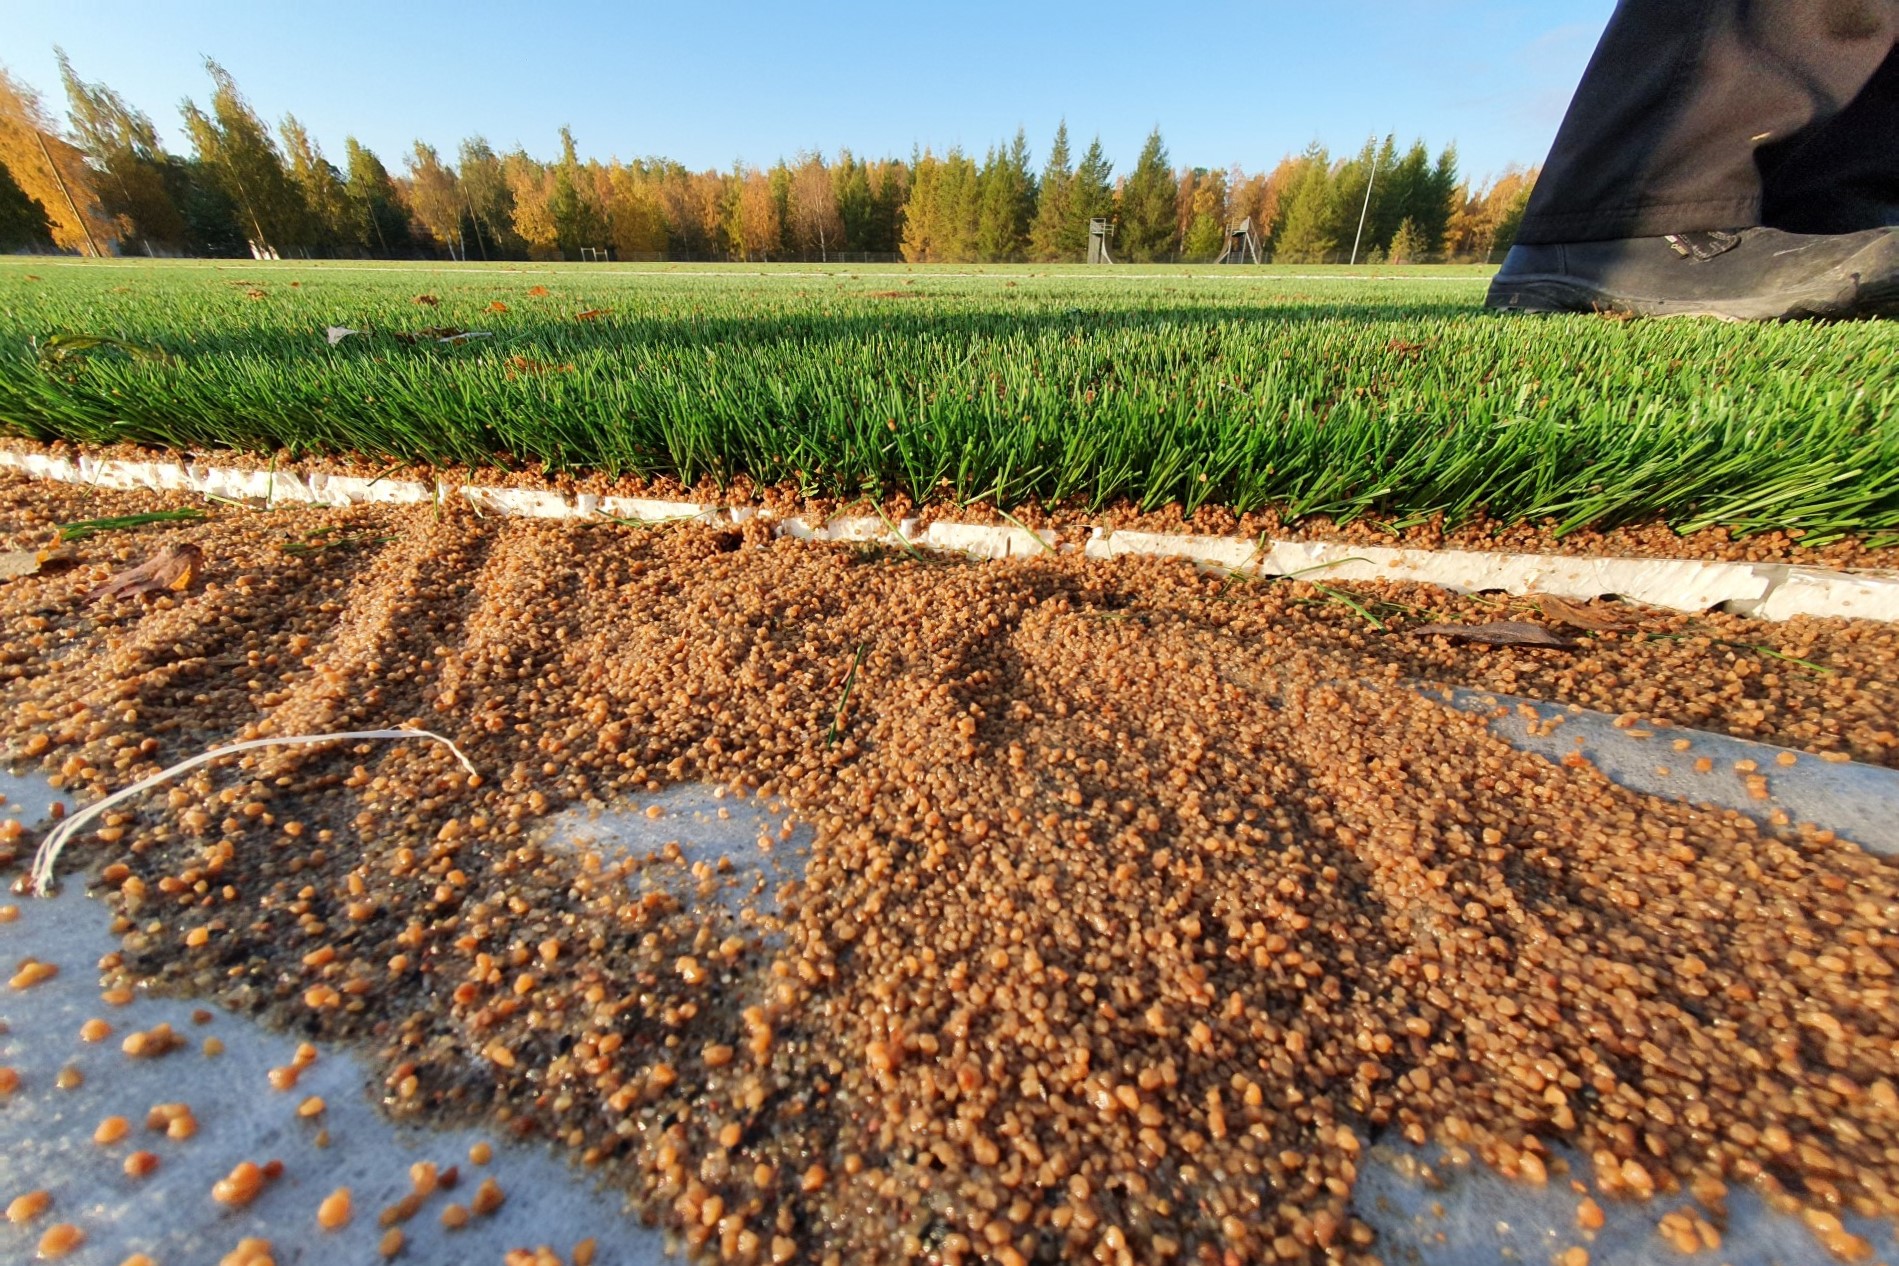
x: 1206, y: 237
x: 1408, y: 244
x: 959, y: 194
x: 1350, y: 182
x: 1148, y: 205
x: 856, y: 202
x: 778, y: 180
x: 1006, y: 203
x: 1054, y: 205
x: 211, y: 218
x: 1305, y: 234
x: 1394, y: 193
x: 893, y: 188
x: 922, y: 232
x: 1093, y: 199
x: 1433, y: 208
x: 1402, y: 181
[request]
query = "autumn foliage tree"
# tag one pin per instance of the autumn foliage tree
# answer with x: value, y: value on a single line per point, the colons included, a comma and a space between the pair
x: 636, y: 217
x: 23, y: 223
x: 1483, y: 223
x: 121, y: 146
x: 51, y: 172
x: 376, y: 212
x: 1203, y: 214
x: 759, y: 225
x: 327, y: 220
x: 435, y: 198
x: 815, y: 226
x: 240, y: 155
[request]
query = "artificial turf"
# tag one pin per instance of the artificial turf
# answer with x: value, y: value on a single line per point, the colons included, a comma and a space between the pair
x: 1385, y: 392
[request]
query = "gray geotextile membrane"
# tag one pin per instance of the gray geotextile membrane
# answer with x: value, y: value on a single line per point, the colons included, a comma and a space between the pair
x: 1857, y: 802
x: 1431, y: 1207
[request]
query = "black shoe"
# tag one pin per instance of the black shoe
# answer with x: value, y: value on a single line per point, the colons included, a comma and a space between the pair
x: 1747, y: 275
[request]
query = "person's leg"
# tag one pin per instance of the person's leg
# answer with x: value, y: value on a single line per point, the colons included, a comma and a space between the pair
x: 1680, y: 96
x: 1840, y: 175
x: 1723, y: 158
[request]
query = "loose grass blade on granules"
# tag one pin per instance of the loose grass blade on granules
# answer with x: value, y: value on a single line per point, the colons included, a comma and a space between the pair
x: 80, y: 529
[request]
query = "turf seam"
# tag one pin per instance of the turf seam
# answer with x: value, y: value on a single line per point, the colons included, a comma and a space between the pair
x: 1771, y: 591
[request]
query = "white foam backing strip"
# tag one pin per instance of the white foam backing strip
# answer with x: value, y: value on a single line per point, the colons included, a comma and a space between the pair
x: 1771, y: 591
x: 980, y: 540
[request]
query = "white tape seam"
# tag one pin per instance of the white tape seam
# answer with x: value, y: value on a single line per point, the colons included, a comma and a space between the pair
x: 1770, y: 591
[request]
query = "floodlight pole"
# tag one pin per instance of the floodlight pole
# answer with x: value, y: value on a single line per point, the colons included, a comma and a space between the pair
x: 1369, y: 182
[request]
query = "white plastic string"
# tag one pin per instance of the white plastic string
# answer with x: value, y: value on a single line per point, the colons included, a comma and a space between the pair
x: 47, y: 856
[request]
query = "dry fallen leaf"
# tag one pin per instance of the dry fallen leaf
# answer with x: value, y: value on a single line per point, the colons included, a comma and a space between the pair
x: 538, y: 292
x: 527, y: 365
x: 42, y: 561
x: 1576, y: 615
x: 427, y: 301
x: 1500, y: 633
x: 36, y: 562
x: 173, y: 568
x: 592, y: 314
x: 497, y: 306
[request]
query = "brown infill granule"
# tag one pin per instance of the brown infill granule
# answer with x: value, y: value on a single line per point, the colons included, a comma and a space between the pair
x: 1141, y: 904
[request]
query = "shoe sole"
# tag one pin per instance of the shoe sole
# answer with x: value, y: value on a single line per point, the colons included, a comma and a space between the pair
x: 1880, y: 299
x: 1556, y: 293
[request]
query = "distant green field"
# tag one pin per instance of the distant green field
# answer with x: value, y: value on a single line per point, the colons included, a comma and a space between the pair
x: 1385, y: 392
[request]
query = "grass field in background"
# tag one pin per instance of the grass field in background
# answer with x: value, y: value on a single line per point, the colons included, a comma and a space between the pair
x: 1377, y: 391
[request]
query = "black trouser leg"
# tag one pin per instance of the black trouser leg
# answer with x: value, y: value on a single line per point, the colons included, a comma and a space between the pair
x: 1683, y: 96
x: 1840, y: 175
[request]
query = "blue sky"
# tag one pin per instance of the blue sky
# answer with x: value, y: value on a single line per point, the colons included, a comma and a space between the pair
x: 707, y: 84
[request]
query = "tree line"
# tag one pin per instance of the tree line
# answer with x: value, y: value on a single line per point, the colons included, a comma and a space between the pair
x: 104, y: 184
